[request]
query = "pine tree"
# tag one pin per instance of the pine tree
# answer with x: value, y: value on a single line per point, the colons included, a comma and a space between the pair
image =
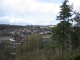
x: 62, y: 32
x: 76, y: 32
x: 66, y: 11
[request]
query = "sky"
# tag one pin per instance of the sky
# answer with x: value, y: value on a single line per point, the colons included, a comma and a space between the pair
x: 32, y: 12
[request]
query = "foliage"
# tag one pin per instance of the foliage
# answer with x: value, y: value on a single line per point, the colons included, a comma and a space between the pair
x: 77, y: 18
x: 75, y: 37
x: 66, y: 11
x: 32, y: 42
x: 75, y: 56
x: 5, y: 50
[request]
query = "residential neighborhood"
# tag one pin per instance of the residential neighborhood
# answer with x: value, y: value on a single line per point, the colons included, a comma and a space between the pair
x: 17, y: 34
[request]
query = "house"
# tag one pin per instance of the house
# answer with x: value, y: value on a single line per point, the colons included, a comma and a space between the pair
x: 41, y: 32
x: 48, y: 33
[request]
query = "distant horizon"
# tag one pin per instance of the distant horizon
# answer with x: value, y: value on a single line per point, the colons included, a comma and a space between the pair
x: 27, y: 25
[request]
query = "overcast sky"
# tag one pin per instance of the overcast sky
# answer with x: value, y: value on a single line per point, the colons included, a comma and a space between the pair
x: 32, y: 12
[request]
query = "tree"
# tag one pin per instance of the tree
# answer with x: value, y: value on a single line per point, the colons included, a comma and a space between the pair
x: 75, y: 37
x: 77, y: 18
x: 76, y: 31
x: 33, y: 42
x: 66, y: 11
x: 5, y: 50
x: 63, y: 29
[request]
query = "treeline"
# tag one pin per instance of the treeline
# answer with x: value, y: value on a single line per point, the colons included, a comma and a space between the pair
x: 10, y: 27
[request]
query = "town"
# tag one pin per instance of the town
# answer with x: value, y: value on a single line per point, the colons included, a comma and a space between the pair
x: 16, y: 35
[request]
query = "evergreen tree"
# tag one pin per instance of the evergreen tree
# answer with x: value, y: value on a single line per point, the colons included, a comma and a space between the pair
x: 77, y: 18
x: 66, y: 11
x: 76, y: 31
x: 63, y: 29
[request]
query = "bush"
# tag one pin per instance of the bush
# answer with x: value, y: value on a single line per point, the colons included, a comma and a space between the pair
x: 32, y: 42
x: 74, y: 57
